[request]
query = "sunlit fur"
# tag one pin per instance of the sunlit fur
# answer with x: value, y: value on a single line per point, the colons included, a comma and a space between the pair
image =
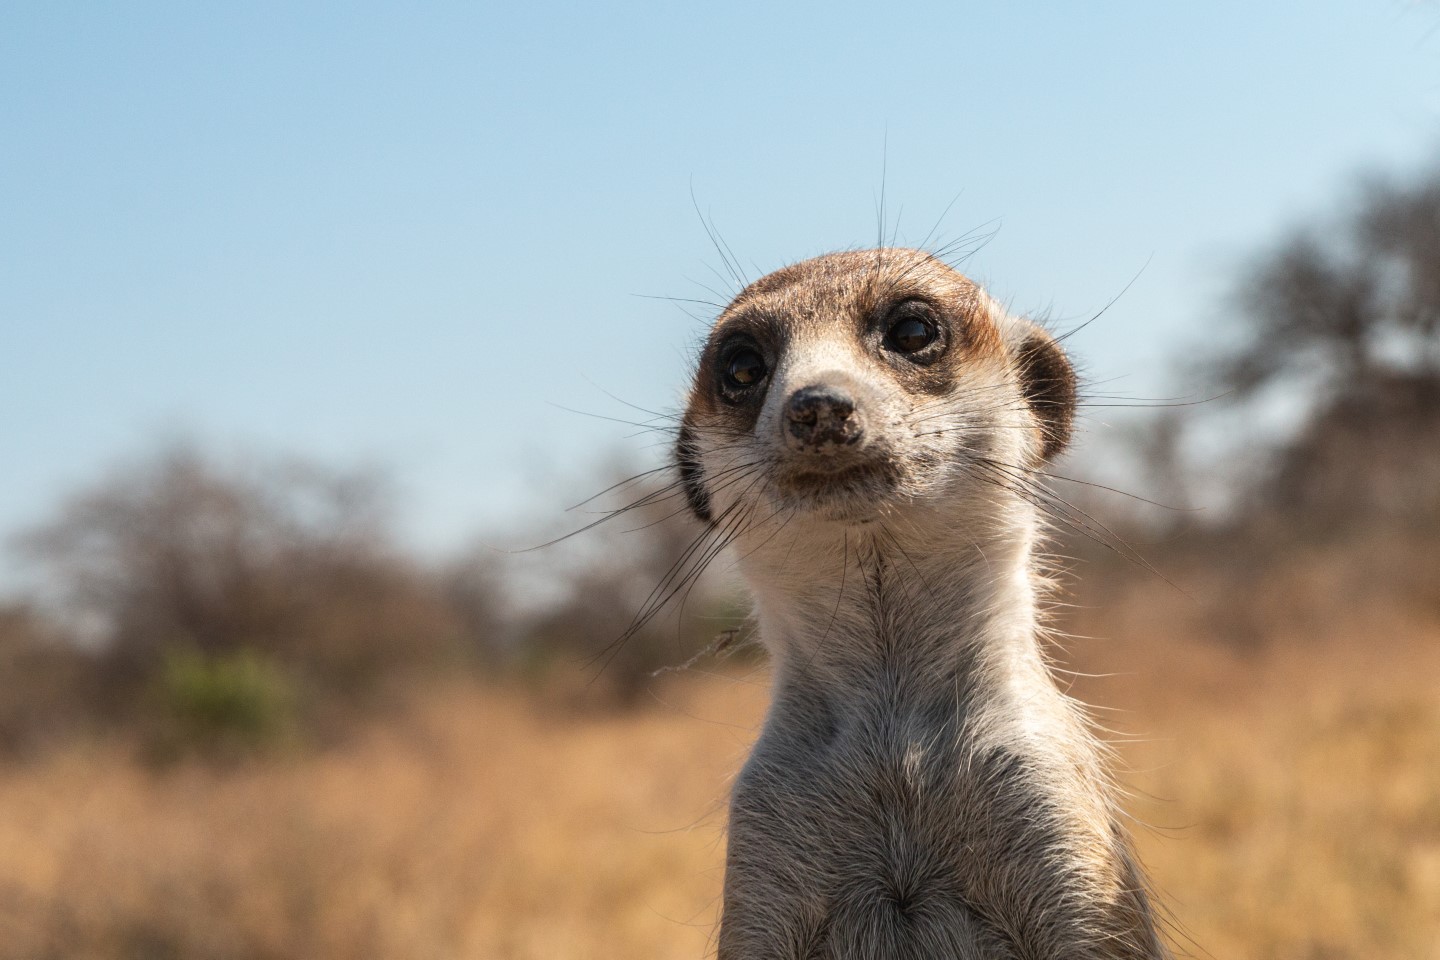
x: 921, y: 788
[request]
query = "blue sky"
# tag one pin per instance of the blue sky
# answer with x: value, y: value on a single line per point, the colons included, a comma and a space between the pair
x: 404, y: 234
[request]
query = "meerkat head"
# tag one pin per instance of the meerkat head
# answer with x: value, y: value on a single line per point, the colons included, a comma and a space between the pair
x: 851, y: 386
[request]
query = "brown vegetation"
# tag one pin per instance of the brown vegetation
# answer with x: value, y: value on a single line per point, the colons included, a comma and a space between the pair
x: 229, y: 609
x: 1294, y: 798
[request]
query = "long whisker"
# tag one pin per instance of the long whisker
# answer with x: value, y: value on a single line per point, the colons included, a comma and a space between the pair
x: 685, y: 570
x: 663, y: 468
x: 1108, y: 304
x: 737, y: 276
x: 1063, y: 511
x: 666, y: 492
x: 939, y: 220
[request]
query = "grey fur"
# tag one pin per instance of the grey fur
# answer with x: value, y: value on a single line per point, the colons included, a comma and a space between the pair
x: 921, y: 789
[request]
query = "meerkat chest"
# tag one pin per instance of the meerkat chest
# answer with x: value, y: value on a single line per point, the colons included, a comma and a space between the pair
x: 881, y: 792
x: 889, y: 823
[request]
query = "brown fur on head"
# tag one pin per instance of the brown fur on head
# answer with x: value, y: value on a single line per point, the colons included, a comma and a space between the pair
x: 844, y: 416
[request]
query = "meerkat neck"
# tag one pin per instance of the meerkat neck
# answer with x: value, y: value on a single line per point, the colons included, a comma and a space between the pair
x: 906, y: 601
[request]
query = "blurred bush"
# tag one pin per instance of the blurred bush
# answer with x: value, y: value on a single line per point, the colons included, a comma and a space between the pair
x: 201, y: 591
x: 1337, y: 518
x: 475, y: 591
x: 224, y: 608
x: 45, y: 683
x: 226, y: 704
x: 1346, y: 317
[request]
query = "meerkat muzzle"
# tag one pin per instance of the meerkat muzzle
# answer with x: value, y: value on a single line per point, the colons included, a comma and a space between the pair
x: 822, y: 419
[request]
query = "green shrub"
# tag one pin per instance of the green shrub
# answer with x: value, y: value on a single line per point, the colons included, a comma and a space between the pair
x: 223, y: 704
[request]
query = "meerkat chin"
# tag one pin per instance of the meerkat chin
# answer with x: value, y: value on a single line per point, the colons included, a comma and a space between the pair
x: 865, y: 428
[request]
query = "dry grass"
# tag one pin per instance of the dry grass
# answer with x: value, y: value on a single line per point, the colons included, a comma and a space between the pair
x: 1292, y: 799
x: 1303, y: 822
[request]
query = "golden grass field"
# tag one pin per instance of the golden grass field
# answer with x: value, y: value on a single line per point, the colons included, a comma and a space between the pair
x: 1295, y: 799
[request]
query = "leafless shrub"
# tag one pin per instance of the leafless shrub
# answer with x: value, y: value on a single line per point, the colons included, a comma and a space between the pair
x: 1348, y: 314
x: 286, y: 564
x: 474, y: 588
x: 45, y: 683
x: 1318, y: 460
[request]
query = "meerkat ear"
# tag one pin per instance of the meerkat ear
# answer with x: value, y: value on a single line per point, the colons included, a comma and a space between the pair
x: 1048, y: 381
x: 692, y: 474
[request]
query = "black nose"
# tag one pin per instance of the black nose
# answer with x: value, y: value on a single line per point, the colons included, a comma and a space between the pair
x: 821, y: 416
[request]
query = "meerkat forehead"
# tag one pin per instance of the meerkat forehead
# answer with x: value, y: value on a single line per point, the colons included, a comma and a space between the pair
x: 841, y: 290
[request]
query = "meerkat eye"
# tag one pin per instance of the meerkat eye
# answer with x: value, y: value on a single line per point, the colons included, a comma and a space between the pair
x: 746, y: 368
x: 912, y: 329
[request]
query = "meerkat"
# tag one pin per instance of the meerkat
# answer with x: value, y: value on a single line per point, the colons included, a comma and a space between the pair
x: 861, y: 429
